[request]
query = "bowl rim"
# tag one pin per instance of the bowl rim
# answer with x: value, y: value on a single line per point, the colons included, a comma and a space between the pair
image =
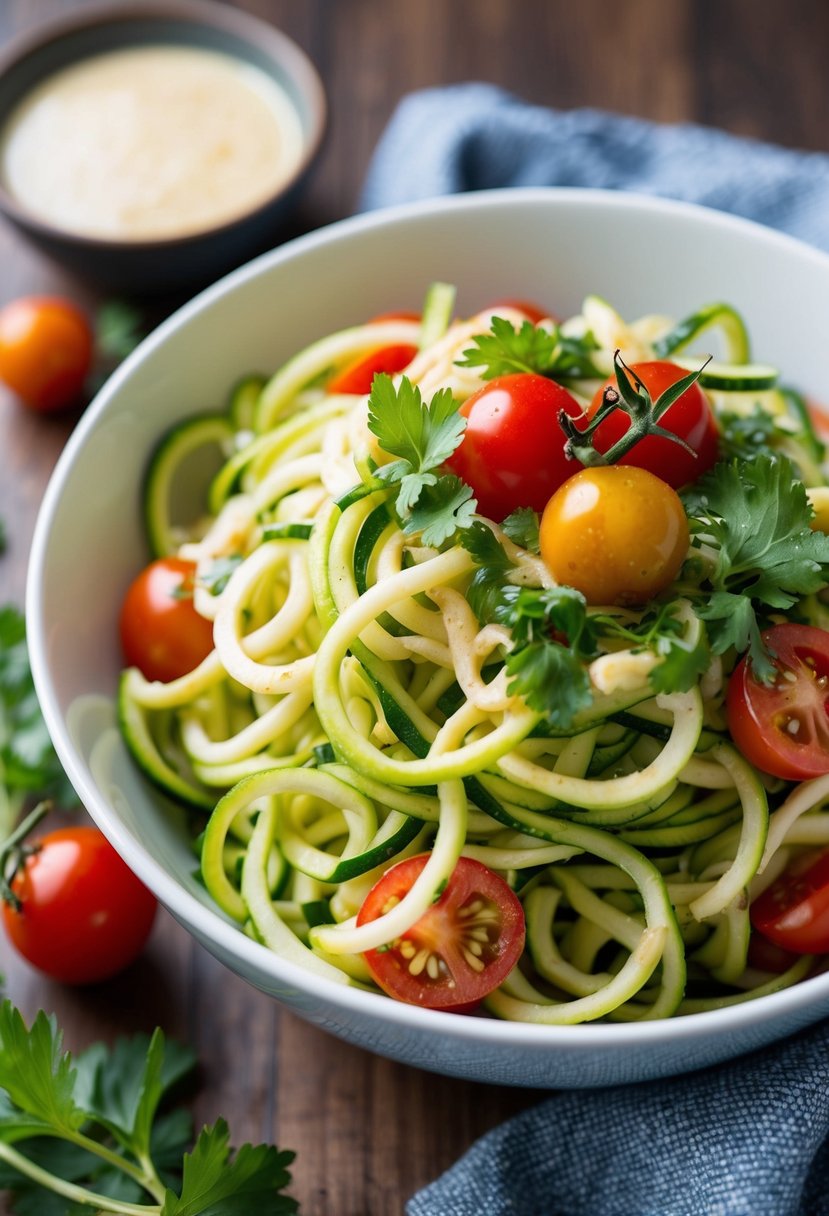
x: 207, y: 923
x: 248, y: 28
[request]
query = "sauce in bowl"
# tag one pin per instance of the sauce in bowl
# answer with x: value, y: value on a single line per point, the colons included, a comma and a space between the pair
x: 154, y: 142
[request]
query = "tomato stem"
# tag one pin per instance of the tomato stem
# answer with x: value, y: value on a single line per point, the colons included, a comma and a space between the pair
x: 13, y: 853
x: 633, y: 398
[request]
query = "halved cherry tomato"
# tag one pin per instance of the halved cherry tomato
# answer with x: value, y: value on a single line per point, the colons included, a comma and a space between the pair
x: 161, y: 632
x: 512, y: 452
x: 533, y: 312
x: 793, y: 912
x: 765, y: 956
x: 618, y: 535
x: 460, y: 950
x: 83, y: 914
x: 783, y: 728
x: 402, y: 315
x: 45, y: 351
x: 357, y: 376
x: 689, y: 417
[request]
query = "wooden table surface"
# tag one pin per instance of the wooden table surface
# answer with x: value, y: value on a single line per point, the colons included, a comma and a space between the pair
x: 369, y: 1132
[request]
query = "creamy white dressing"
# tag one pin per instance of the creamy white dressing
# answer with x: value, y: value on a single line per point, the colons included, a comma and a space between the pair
x: 150, y: 142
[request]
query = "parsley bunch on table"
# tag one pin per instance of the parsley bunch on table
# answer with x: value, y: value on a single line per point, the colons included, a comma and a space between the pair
x: 28, y: 763
x: 94, y: 1133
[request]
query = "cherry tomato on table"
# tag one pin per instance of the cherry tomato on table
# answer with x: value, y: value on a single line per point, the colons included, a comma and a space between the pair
x: 45, y: 351
x: 512, y: 451
x: 783, y: 728
x: 793, y: 912
x: 161, y: 632
x: 460, y: 950
x: 83, y: 915
x: 689, y: 417
x: 618, y: 535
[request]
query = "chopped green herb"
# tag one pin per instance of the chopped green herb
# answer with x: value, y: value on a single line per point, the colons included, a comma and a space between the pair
x: 217, y: 575
x: 754, y: 517
x: 522, y: 529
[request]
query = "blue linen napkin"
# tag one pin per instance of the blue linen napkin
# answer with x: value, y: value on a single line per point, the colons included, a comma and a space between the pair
x: 750, y: 1138
x: 477, y: 137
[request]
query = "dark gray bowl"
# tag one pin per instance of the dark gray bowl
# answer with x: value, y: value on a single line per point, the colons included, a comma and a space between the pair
x: 153, y: 266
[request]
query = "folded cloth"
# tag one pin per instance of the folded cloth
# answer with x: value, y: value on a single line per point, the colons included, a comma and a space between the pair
x: 745, y: 1139
x: 477, y: 137
x: 749, y: 1138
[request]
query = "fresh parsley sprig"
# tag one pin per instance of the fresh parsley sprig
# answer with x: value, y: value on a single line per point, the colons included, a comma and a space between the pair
x: 89, y: 1133
x: 506, y: 350
x: 553, y: 638
x: 750, y: 520
x: 423, y: 437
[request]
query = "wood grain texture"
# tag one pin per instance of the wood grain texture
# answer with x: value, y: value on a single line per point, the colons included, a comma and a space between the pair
x: 367, y: 1131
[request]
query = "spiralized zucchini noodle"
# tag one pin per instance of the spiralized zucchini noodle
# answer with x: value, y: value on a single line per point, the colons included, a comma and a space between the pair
x: 355, y: 711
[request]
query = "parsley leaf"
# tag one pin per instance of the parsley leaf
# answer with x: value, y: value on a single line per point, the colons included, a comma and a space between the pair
x: 487, y: 586
x: 505, y: 350
x: 423, y: 438
x: 550, y: 674
x: 747, y: 435
x: 94, y: 1122
x: 661, y: 631
x: 28, y: 763
x: 216, y: 1184
x: 755, y: 516
x: 552, y: 680
x: 522, y: 529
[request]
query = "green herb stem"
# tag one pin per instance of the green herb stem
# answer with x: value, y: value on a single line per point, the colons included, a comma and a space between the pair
x: 69, y: 1190
x: 145, y: 1174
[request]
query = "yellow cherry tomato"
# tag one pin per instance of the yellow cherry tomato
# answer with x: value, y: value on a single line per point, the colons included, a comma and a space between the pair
x: 616, y: 533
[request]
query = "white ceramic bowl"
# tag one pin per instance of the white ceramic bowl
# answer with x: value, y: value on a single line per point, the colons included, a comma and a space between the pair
x: 642, y: 254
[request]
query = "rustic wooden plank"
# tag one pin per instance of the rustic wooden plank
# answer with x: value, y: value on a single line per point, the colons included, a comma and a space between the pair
x: 368, y: 1131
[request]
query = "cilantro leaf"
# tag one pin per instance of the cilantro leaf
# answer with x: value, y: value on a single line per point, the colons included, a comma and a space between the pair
x: 443, y: 506
x: 522, y: 529
x: 217, y: 1184
x: 755, y: 518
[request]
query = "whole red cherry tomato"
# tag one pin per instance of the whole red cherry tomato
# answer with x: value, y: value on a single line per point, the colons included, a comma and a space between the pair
x: 512, y: 452
x: 689, y: 417
x: 46, y: 348
x: 83, y: 914
x: 161, y: 632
